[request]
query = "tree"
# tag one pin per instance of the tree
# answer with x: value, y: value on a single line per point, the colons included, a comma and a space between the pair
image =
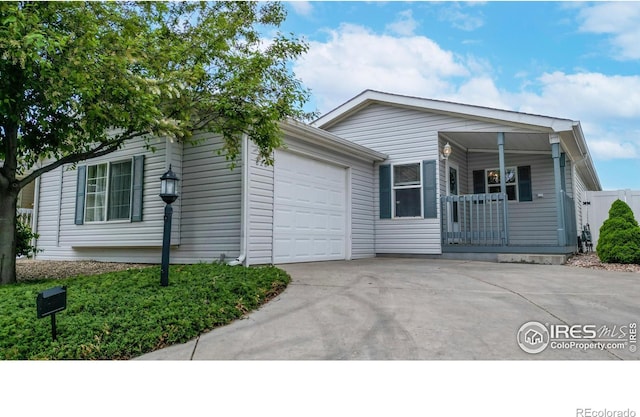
x: 619, y: 240
x: 78, y: 79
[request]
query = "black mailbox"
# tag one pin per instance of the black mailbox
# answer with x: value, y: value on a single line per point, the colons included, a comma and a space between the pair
x: 51, y: 301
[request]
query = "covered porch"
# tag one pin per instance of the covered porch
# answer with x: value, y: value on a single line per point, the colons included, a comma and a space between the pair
x: 510, y: 191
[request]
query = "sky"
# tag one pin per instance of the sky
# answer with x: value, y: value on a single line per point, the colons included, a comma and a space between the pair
x: 573, y: 60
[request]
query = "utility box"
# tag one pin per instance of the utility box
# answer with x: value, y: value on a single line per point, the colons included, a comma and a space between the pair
x: 51, y: 301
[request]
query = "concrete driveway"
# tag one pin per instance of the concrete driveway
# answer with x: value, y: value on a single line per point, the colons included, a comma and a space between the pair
x: 387, y: 308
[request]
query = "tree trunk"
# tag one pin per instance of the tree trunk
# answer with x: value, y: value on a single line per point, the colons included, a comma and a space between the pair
x: 8, y: 207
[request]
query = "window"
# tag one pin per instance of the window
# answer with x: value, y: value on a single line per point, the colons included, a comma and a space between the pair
x: 407, y: 188
x: 492, y: 179
x: 108, y: 194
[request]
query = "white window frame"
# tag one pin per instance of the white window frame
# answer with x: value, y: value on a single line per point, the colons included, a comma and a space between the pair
x: 510, y: 184
x: 404, y: 187
x: 107, y: 193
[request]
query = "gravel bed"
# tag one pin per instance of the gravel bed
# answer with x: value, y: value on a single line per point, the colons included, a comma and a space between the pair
x: 590, y: 260
x: 31, y: 269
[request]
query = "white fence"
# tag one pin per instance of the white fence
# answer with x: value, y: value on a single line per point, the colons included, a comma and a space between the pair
x: 597, y: 204
x: 25, y: 216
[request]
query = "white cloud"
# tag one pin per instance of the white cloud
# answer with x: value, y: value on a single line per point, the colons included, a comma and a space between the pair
x: 607, y: 149
x: 459, y: 19
x: 619, y: 20
x: 354, y: 59
x: 593, y: 96
x: 303, y: 8
x: 404, y: 25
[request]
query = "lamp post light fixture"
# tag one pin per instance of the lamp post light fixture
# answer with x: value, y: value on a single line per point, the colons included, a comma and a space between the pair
x: 169, y: 194
x: 446, y: 151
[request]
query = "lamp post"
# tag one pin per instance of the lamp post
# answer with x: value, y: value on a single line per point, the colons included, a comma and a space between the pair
x: 169, y: 194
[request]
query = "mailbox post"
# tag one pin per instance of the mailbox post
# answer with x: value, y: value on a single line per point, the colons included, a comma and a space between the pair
x: 49, y: 302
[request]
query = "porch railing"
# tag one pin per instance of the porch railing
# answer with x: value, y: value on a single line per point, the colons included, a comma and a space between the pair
x: 475, y: 219
x: 25, y: 216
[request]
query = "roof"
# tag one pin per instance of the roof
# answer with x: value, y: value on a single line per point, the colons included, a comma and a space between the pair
x: 371, y: 96
x: 323, y: 138
x: 571, y: 128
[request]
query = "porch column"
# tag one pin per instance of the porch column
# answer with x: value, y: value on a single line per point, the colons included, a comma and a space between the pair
x: 554, y: 140
x: 503, y: 187
x: 503, y: 184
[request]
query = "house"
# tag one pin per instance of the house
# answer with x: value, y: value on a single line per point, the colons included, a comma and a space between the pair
x: 464, y: 204
x: 368, y: 178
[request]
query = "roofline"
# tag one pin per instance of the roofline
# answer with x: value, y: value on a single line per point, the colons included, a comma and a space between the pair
x: 372, y: 96
x: 318, y: 136
x: 586, y: 156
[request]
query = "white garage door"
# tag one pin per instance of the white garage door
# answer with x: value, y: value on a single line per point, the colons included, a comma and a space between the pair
x: 309, y: 210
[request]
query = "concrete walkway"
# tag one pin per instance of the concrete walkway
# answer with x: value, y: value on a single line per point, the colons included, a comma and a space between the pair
x: 387, y: 308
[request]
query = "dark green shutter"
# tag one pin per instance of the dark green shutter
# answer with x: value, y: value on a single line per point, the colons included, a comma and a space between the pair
x: 81, y: 186
x: 385, y: 191
x: 138, y: 181
x: 478, y: 182
x: 430, y: 189
x: 525, y: 192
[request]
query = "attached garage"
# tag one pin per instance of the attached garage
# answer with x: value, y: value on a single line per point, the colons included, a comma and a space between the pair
x: 310, y: 209
x: 316, y: 203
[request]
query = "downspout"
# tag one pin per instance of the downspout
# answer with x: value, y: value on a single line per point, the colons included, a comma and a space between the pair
x: 244, y: 206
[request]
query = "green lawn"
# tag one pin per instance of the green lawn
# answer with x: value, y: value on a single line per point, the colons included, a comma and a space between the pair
x: 121, y: 315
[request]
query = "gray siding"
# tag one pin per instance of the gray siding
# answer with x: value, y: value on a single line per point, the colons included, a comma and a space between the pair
x: 260, y: 196
x: 60, y: 238
x: 530, y: 222
x: 261, y: 202
x: 206, y: 218
x: 211, y: 203
x: 579, y: 195
x: 408, y: 135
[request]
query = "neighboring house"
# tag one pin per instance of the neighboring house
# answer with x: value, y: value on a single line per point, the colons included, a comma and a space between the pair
x: 366, y: 179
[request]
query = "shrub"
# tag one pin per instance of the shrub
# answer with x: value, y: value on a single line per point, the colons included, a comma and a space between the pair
x: 619, y: 240
x: 23, y: 240
x: 621, y: 209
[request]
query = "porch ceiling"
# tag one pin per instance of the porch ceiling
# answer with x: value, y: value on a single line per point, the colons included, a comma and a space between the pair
x: 488, y: 141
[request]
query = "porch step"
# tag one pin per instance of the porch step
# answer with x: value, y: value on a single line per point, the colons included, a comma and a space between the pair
x: 524, y: 258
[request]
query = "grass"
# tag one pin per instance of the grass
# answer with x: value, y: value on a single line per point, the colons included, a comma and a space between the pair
x: 124, y: 314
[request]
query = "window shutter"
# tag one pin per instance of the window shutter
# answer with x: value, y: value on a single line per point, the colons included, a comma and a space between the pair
x: 430, y: 189
x: 138, y: 181
x: 81, y: 186
x: 478, y: 182
x: 385, y: 191
x: 525, y: 192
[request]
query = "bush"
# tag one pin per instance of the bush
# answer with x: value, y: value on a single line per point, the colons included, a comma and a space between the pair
x: 619, y: 240
x: 23, y: 240
x: 622, y: 210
